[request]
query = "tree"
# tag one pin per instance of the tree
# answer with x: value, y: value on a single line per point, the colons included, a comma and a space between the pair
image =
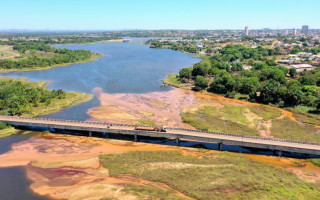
x: 237, y: 67
x: 292, y: 72
x: 247, y: 85
x: 292, y: 97
x: 202, y: 68
x: 223, y: 84
x: 185, y: 73
x: 200, y: 83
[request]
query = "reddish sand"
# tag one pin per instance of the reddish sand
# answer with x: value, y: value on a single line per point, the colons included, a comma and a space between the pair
x: 163, y: 108
x: 67, y: 167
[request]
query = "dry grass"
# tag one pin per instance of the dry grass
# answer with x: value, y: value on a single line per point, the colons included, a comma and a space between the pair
x: 240, y: 178
x: 287, y: 129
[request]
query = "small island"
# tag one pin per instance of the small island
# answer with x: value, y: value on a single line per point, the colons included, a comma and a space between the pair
x: 31, y: 99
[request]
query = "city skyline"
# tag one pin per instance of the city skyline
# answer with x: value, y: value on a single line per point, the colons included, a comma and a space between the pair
x: 158, y: 15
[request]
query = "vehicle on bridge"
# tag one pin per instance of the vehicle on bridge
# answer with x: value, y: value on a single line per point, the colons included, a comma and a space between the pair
x: 145, y: 128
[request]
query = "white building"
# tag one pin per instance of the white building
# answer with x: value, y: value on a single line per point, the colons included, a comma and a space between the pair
x: 246, y: 30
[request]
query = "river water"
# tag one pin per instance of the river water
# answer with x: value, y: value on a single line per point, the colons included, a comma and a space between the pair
x: 126, y: 68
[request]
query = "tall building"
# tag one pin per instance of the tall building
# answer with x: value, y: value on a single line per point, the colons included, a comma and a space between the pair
x: 305, y: 29
x: 286, y: 31
x: 294, y: 31
x: 246, y: 30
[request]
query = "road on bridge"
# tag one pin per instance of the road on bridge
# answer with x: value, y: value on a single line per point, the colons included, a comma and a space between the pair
x: 188, y: 134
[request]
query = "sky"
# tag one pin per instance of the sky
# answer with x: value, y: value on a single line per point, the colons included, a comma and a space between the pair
x: 158, y: 14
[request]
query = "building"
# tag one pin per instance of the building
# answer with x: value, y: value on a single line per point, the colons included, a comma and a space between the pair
x: 294, y: 31
x: 305, y: 29
x: 246, y: 30
x: 286, y: 31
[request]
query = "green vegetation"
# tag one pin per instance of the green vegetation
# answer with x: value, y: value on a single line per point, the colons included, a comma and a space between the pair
x: 4, y: 54
x: 315, y: 161
x: 264, y: 83
x: 187, y: 47
x: 174, y: 80
x: 146, y: 122
x: 30, y: 99
x: 288, y: 129
x: 227, y: 120
x: 212, y: 176
x: 38, y: 55
x: 150, y: 192
x: 6, y: 130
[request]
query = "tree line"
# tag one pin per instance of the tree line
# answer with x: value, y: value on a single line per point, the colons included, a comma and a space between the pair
x: 266, y: 83
x: 61, y: 55
x: 18, y: 97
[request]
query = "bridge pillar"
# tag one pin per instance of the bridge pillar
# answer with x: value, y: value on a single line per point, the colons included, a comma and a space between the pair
x: 106, y: 135
x: 279, y: 153
x: 136, y: 139
x: 177, y: 141
x: 220, y: 146
x: 90, y: 133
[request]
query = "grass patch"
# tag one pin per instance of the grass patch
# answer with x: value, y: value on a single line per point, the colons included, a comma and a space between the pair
x: 315, y: 161
x: 26, y: 132
x: 174, y: 80
x: 265, y: 112
x: 4, y: 54
x: 212, y: 176
x: 288, y: 129
x: 209, y: 118
x: 72, y: 98
x: 306, y: 115
x: 149, y: 192
x: 146, y: 123
x: 6, y: 130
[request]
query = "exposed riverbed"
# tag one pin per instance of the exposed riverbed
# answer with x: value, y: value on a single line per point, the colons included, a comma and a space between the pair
x: 127, y: 84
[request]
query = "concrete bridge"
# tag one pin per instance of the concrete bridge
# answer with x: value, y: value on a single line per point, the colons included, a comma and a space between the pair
x: 278, y: 145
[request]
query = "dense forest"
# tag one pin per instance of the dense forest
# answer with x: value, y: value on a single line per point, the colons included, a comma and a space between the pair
x: 61, y: 56
x: 18, y: 97
x: 265, y: 82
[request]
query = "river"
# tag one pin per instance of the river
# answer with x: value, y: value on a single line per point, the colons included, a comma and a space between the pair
x: 126, y: 68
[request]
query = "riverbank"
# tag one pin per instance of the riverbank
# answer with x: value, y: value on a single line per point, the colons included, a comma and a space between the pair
x: 94, y: 56
x: 67, y: 167
x: 35, y: 99
x: 242, y: 117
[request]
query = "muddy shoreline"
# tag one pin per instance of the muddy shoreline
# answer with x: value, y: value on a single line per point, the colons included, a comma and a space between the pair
x: 67, y: 167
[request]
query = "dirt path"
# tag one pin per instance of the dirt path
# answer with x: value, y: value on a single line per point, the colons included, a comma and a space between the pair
x: 9, y: 50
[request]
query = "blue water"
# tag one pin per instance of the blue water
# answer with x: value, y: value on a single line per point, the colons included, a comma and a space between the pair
x: 125, y: 68
x: 13, y: 182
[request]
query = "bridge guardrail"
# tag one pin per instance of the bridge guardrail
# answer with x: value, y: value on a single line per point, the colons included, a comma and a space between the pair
x: 168, y: 128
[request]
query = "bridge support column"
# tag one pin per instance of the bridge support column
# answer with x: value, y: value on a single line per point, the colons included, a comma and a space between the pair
x: 279, y: 153
x: 274, y: 152
x: 220, y: 146
x: 105, y: 134
x: 177, y: 141
x: 136, y: 139
x: 90, y: 134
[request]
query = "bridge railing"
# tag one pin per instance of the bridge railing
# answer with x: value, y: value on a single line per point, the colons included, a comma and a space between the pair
x: 169, y: 128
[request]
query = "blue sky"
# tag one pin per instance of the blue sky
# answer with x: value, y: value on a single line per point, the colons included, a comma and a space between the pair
x: 158, y: 14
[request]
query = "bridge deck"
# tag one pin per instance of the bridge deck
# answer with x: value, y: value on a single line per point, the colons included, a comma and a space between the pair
x: 187, y: 134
